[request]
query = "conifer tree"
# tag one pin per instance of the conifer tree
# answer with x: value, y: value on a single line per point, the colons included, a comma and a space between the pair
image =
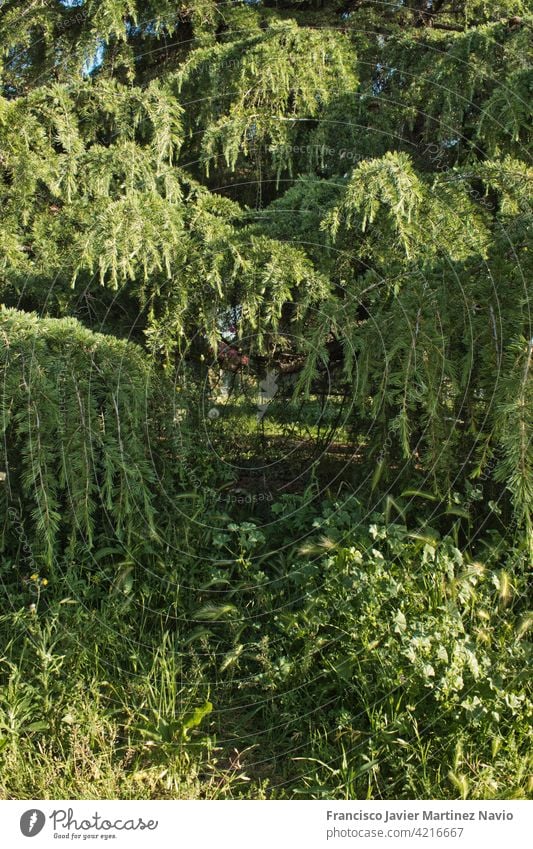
x: 354, y: 172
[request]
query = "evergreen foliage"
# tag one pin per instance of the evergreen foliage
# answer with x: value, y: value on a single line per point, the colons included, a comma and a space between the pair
x: 336, y: 192
x: 400, y: 135
x: 78, y: 437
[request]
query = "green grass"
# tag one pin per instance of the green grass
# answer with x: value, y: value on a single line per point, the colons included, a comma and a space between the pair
x: 365, y: 661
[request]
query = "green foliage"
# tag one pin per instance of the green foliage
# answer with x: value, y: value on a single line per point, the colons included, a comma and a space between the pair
x: 92, y: 195
x: 78, y: 433
x: 369, y: 661
x: 388, y: 198
x: 271, y: 82
x: 337, y: 191
x: 469, y: 88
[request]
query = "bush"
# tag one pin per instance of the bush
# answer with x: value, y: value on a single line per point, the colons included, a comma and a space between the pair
x: 82, y: 428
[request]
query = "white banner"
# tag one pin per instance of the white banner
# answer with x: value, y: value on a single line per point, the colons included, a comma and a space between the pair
x: 258, y: 824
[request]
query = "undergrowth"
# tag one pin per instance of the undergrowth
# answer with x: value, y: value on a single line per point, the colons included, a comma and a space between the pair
x: 322, y: 655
